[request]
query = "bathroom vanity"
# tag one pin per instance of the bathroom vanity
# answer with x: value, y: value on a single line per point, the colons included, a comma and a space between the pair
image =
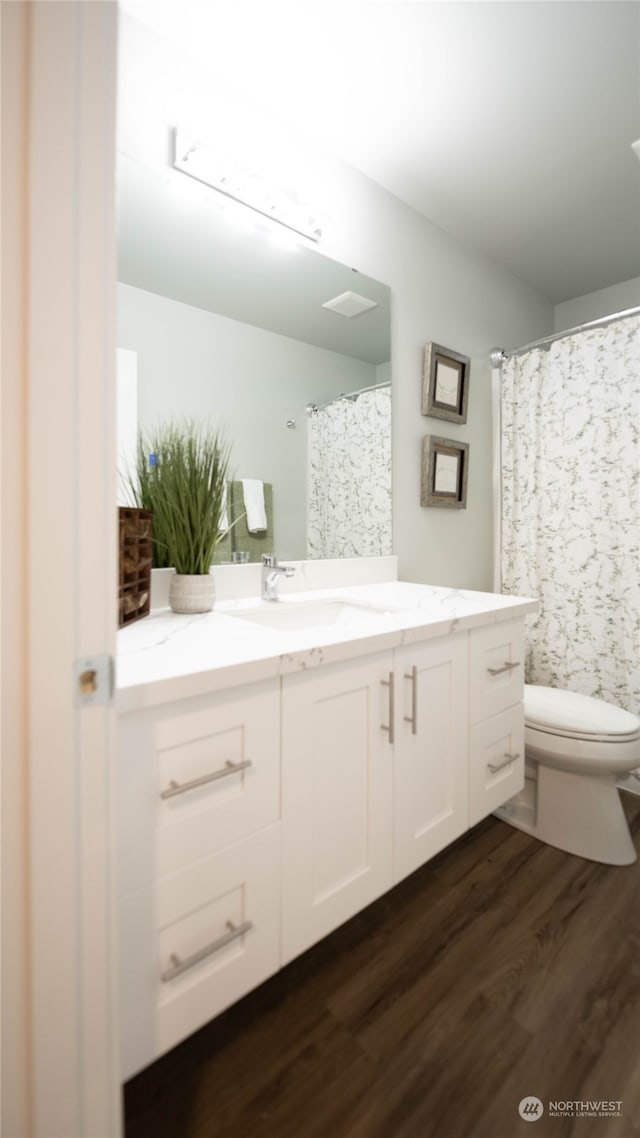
x: 283, y: 765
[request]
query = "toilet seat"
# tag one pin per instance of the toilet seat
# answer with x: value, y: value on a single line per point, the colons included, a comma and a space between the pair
x: 567, y: 752
x: 572, y: 732
x: 572, y: 715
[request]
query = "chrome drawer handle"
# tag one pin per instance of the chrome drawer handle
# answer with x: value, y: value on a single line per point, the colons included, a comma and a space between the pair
x: 508, y: 759
x: 505, y: 668
x: 179, y: 966
x: 182, y: 787
x: 390, y: 683
x: 413, y: 718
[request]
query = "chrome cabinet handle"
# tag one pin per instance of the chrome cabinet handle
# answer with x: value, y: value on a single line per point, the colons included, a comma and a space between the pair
x: 182, y: 787
x: 179, y: 966
x: 505, y: 668
x: 413, y: 718
x: 390, y: 683
x: 508, y: 759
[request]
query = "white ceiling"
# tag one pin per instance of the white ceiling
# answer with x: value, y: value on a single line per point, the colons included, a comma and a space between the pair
x: 509, y: 124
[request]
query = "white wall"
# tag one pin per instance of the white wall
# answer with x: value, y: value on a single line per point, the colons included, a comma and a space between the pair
x: 593, y: 305
x: 244, y: 379
x: 441, y: 291
x: 447, y: 293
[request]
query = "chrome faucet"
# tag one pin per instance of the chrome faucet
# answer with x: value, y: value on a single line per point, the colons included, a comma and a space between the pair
x: 271, y: 571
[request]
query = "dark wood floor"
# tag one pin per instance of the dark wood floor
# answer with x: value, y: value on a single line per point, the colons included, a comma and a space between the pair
x: 502, y: 969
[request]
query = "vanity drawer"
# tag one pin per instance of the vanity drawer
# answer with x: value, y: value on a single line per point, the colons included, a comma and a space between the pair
x: 496, y: 668
x: 496, y: 768
x: 200, y: 940
x: 196, y: 776
x: 218, y: 775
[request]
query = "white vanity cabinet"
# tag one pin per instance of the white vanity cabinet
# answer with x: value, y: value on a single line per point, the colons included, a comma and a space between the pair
x: 199, y: 856
x: 255, y: 820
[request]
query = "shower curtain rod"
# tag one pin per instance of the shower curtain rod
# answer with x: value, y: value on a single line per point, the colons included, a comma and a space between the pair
x: 311, y: 407
x: 499, y: 355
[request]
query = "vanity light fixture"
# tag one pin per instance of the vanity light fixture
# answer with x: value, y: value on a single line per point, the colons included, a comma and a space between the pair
x: 258, y: 193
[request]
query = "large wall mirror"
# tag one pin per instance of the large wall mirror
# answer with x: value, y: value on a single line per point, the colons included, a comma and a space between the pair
x: 221, y: 322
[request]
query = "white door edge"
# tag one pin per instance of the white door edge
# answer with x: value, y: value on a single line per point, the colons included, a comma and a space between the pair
x: 71, y: 566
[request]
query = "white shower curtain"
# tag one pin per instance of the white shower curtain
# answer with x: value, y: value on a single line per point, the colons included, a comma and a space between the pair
x: 570, y: 528
x: 349, y: 477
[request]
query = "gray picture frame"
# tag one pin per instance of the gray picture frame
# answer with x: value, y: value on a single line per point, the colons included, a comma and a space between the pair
x: 445, y: 383
x: 445, y: 473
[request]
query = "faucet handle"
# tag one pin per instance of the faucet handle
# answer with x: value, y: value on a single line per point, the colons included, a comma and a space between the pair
x: 269, y: 560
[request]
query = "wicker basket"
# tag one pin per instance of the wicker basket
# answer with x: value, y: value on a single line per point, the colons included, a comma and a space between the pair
x: 134, y: 582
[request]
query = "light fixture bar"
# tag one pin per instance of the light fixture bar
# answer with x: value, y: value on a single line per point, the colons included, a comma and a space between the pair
x: 253, y: 191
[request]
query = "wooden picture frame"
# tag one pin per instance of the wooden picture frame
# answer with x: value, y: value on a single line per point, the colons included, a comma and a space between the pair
x: 445, y: 383
x: 445, y: 469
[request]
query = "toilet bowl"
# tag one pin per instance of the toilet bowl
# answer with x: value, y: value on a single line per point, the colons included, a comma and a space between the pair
x: 575, y: 749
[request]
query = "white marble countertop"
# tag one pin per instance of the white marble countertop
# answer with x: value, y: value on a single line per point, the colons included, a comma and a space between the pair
x: 167, y: 657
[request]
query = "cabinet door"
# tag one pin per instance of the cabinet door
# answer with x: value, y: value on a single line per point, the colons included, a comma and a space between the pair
x: 337, y: 787
x: 431, y: 750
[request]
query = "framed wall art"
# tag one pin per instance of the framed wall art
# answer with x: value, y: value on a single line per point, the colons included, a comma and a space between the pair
x: 445, y: 469
x: 445, y: 383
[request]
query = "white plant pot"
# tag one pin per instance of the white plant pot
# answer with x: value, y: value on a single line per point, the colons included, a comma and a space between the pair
x: 192, y: 592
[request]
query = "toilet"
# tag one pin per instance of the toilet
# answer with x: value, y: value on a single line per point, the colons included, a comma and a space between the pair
x: 575, y: 749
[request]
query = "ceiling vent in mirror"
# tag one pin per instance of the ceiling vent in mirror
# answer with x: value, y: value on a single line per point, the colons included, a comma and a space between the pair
x: 350, y: 304
x: 223, y: 173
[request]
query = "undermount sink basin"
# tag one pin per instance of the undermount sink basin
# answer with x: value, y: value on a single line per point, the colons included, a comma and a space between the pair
x: 293, y: 615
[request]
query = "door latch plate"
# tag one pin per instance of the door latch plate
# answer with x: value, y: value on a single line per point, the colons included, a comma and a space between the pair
x: 93, y: 680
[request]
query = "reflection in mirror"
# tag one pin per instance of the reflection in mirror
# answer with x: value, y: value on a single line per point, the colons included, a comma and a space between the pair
x: 229, y: 326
